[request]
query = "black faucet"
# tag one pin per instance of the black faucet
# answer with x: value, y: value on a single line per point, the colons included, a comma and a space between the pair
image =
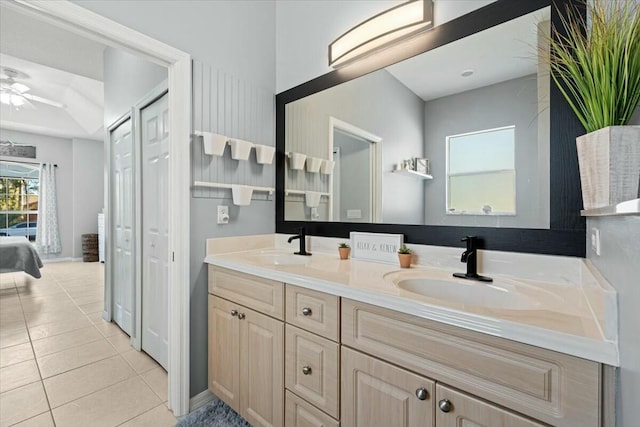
x: 470, y: 256
x: 303, y: 242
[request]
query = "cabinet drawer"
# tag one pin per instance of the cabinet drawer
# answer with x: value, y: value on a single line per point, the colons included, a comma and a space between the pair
x: 312, y: 369
x: 313, y: 311
x: 263, y: 295
x: 299, y: 413
x: 555, y: 388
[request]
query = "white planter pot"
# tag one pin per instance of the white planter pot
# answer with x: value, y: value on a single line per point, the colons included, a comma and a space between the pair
x: 296, y: 160
x: 312, y: 198
x: 214, y: 143
x: 241, y: 194
x: 609, y: 162
x: 264, y: 154
x: 313, y: 164
x: 327, y: 167
x: 240, y: 149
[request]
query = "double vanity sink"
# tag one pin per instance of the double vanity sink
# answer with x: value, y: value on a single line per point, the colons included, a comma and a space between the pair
x: 503, y: 294
x: 318, y: 341
x: 564, y: 317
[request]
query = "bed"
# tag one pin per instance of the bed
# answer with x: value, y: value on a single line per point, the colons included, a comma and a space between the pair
x: 18, y: 254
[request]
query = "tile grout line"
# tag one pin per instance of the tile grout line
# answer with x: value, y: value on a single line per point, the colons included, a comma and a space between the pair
x: 44, y: 389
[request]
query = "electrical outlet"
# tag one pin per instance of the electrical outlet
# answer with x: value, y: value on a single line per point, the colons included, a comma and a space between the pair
x: 223, y: 214
x: 595, y: 241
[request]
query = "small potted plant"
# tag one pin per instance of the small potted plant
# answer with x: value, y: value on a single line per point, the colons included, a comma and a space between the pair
x: 404, y: 255
x: 344, y: 250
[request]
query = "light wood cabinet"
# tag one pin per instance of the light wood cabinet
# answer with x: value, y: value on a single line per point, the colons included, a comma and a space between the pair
x: 348, y: 363
x: 245, y: 361
x: 312, y: 369
x: 224, y: 349
x: 463, y: 410
x: 378, y: 394
x: 555, y: 388
x: 299, y: 413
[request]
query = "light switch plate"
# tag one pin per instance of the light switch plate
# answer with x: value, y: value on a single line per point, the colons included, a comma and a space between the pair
x: 595, y: 240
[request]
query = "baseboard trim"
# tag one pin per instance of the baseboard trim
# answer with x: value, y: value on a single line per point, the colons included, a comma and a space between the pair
x: 51, y: 260
x: 200, y: 400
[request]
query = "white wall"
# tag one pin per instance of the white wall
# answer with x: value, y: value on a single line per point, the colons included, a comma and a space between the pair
x: 304, y: 30
x: 618, y: 263
x: 79, y: 183
x: 127, y: 78
x: 236, y: 37
x: 88, y: 189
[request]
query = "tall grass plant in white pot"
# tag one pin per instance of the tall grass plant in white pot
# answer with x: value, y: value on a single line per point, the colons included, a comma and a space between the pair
x: 596, y: 66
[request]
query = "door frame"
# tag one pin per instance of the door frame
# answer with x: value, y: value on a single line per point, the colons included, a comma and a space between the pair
x: 151, y: 97
x: 375, y: 158
x: 89, y: 24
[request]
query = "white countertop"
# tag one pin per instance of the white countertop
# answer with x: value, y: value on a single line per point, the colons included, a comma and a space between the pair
x: 564, y: 319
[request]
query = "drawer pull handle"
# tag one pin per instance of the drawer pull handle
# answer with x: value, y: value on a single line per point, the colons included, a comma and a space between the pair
x: 445, y: 405
x: 306, y: 311
x: 306, y: 370
x: 422, y: 393
x: 234, y: 313
x: 241, y: 316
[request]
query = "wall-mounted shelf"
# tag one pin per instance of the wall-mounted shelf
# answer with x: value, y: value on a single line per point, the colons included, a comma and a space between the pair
x: 630, y: 207
x: 413, y: 174
x: 301, y: 192
x: 269, y: 190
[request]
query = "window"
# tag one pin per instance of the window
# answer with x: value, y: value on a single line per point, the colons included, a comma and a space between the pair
x: 19, y: 187
x: 481, y: 173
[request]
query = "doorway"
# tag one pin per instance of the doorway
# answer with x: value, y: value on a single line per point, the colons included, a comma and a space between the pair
x: 356, y: 180
x: 91, y: 25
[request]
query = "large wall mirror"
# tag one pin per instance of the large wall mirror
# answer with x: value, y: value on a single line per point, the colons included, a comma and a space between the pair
x: 464, y: 135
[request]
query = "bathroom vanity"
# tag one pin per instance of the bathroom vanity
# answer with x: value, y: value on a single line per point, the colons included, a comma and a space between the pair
x: 316, y: 341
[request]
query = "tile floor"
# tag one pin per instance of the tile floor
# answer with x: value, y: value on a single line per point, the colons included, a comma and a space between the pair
x: 62, y: 365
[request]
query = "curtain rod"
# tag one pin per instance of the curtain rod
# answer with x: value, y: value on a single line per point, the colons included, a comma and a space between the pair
x: 28, y: 163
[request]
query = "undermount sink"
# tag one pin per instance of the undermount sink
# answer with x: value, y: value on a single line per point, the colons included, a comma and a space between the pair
x: 281, y: 259
x: 500, y: 295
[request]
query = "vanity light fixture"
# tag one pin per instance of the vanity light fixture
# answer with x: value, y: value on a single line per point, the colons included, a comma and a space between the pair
x: 381, y: 31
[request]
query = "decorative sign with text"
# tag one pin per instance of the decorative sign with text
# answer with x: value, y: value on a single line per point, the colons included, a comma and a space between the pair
x: 376, y: 247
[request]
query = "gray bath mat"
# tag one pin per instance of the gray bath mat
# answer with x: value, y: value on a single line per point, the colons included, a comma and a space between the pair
x: 214, y: 414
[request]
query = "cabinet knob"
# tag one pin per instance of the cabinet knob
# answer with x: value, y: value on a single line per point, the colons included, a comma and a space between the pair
x: 234, y: 313
x: 241, y: 316
x: 306, y: 370
x: 422, y: 393
x: 445, y: 405
x: 306, y: 311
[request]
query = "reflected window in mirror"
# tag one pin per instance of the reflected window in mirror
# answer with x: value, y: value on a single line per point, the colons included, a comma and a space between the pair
x: 481, y: 174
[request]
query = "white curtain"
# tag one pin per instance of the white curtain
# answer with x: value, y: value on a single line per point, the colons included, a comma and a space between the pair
x: 48, y: 234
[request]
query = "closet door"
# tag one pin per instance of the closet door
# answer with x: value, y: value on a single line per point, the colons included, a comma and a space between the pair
x: 123, y: 225
x: 154, y: 131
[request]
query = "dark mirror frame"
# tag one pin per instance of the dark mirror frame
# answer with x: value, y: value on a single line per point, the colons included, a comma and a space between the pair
x: 566, y: 235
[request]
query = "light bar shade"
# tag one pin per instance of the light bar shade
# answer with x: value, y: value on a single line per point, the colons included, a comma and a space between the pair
x: 381, y: 31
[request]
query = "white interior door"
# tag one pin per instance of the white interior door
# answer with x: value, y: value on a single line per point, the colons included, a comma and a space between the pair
x: 123, y: 219
x: 154, y: 131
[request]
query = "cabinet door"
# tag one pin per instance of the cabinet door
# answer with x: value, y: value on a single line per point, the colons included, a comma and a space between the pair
x: 261, y: 369
x: 377, y: 394
x: 224, y: 351
x: 463, y: 410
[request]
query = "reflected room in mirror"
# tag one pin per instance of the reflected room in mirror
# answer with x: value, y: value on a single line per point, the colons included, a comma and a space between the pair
x: 456, y: 136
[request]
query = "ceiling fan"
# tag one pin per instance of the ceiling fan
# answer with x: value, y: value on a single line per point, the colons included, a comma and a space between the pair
x: 15, y: 94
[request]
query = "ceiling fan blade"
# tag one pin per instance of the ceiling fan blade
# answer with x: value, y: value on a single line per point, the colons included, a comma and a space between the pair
x: 43, y: 100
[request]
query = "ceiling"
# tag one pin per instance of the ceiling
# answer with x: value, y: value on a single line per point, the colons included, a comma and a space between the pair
x: 501, y: 53
x: 62, y: 66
